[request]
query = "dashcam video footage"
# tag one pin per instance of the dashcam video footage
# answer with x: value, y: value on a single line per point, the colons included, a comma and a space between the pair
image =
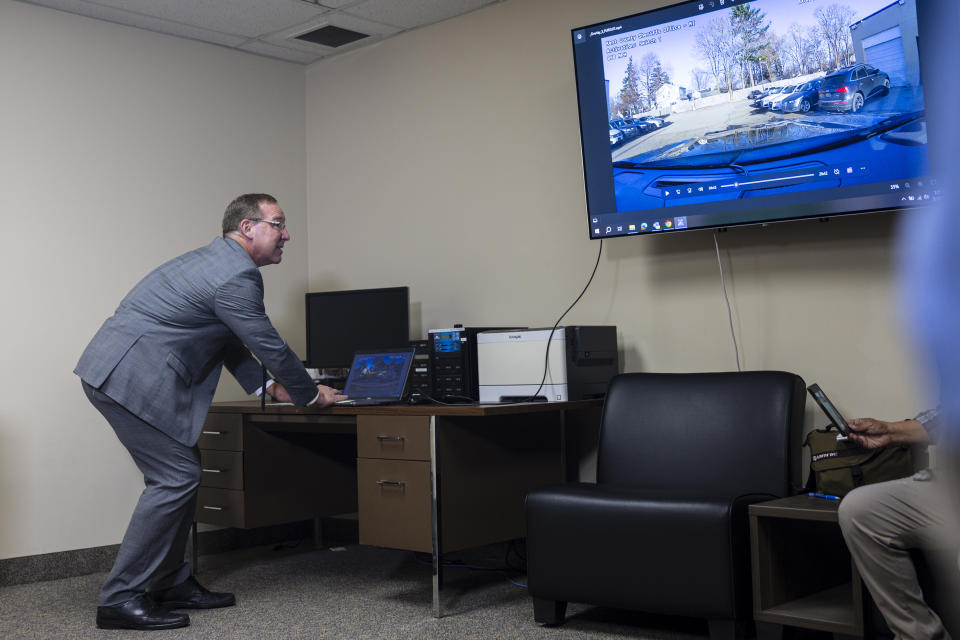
x: 379, y: 375
x: 764, y: 98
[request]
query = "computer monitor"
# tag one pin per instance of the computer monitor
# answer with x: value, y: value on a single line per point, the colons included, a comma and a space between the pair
x: 340, y: 323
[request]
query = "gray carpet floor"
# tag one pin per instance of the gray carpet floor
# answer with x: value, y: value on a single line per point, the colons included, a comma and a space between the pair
x: 355, y: 592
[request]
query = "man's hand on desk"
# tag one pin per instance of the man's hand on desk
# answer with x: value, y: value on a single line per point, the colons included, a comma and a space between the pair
x: 278, y: 393
x: 328, y: 395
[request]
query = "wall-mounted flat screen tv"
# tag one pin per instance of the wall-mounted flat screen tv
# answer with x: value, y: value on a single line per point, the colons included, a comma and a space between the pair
x: 715, y: 113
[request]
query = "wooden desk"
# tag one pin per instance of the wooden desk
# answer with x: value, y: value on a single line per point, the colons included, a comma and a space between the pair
x: 427, y: 478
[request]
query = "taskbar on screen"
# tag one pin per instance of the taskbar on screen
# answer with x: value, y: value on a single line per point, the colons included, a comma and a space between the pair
x: 877, y: 196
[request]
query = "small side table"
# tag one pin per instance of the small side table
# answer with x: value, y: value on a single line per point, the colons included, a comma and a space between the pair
x: 803, y: 575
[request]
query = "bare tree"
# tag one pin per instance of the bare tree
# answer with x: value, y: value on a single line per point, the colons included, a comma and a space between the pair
x: 652, y: 77
x: 834, y: 24
x: 700, y: 78
x: 798, y: 49
x: 816, y: 50
x: 708, y: 44
x: 772, y: 55
x: 718, y: 44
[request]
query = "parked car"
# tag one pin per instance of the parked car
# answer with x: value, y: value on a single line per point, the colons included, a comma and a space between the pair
x: 757, y: 102
x: 804, y: 98
x: 849, y: 88
x: 642, y: 127
x: 774, y: 93
x: 616, y: 136
x: 756, y: 93
x: 653, y: 123
x: 627, y: 128
x: 775, y: 101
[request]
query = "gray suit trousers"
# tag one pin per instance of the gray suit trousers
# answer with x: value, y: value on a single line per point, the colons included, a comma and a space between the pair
x: 151, y: 555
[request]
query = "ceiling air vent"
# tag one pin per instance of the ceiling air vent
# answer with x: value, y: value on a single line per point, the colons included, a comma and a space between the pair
x: 331, y: 36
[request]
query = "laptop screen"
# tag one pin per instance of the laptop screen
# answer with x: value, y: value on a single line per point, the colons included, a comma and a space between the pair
x: 378, y: 374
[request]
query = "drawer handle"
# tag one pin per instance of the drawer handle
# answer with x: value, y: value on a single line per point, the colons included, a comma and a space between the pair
x: 214, y: 470
x: 392, y: 483
x: 213, y: 433
x: 391, y: 438
x: 212, y: 508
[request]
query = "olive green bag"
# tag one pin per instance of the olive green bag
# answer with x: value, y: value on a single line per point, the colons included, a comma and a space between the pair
x: 837, y: 467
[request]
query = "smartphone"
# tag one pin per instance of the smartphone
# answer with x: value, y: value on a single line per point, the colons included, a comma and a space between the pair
x: 828, y: 408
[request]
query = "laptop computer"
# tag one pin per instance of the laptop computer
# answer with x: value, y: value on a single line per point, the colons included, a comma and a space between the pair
x: 377, y: 377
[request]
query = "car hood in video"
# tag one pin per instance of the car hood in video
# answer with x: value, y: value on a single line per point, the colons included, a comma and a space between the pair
x: 744, y: 145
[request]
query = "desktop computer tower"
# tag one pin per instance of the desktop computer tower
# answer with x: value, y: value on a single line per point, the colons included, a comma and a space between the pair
x: 420, y: 384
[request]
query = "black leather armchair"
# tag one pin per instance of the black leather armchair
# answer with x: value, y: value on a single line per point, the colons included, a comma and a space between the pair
x: 665, y: 528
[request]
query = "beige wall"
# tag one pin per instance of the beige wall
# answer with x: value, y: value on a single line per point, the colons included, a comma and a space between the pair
x: 449, y: 153
x: 448, y: 159
x: 121, y: 149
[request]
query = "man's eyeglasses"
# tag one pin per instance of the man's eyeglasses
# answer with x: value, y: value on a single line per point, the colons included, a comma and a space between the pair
x: 279, y: 226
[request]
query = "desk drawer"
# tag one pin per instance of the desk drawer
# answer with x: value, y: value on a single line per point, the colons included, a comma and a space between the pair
x: 393, y: 437
x: 222, y: 431
x: 222, y: 507
x: 222, y: 469
x: 394, y: 504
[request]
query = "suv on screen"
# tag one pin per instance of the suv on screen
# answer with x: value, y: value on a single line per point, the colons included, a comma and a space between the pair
x: 847, y: 89
x: 625, y: 126
x: 642, y: 126
x: 803, y: 98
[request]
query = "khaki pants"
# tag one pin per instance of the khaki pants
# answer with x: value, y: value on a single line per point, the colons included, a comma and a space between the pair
x: 881, y: 523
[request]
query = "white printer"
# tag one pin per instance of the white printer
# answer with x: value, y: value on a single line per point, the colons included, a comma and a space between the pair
x: 510, y: 364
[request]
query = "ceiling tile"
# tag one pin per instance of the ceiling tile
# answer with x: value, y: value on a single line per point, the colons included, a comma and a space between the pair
x: 412, y: 13
x: 241, y: 17
x: 150, y: 23
x: 268, y: 27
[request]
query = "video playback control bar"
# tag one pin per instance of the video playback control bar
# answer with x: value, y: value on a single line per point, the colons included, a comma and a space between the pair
x: 766, y: 180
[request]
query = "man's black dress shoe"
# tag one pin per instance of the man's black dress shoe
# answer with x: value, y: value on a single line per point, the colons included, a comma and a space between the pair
x: 140, y: 612
x: 190, y: 594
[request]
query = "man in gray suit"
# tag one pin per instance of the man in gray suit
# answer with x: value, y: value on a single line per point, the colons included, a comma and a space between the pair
x: 152, y: 370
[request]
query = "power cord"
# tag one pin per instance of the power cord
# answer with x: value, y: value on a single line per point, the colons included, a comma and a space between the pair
x: 546, y: 360
x: 723, y: 285
x: 461, y: 400
x: 521, y: 556
x: 506, y: 570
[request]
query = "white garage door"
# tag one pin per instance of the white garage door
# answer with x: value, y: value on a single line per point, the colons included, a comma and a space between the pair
x: 885, y: 52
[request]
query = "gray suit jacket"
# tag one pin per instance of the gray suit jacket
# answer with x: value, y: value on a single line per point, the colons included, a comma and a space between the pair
x: 161, y: 352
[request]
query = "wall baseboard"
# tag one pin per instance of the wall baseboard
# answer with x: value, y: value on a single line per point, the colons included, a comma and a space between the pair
x: 79, y: 562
